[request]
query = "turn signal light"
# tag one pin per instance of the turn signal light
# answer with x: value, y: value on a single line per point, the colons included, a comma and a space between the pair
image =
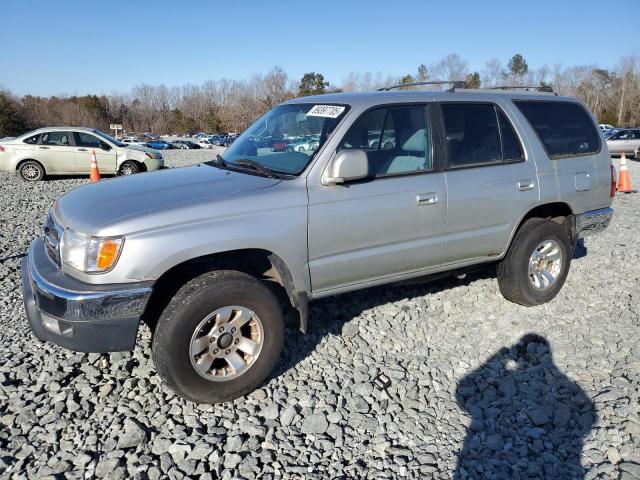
x: 107, y: 254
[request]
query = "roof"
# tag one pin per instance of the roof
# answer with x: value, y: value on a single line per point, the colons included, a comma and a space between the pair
x: 64, y: 129
x: 400, y: 96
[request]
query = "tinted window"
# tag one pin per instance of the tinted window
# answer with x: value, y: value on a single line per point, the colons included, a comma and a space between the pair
x: 472, y: 134
x: 86, y: 140
x: 511, y: 149
x: 396, y: 140
x: 564, y: 128
x: 60, y: 139
x: 32, y: 140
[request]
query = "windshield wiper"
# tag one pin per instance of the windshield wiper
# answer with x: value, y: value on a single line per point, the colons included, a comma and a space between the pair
x: 267, y: 172
x: 218, y: 162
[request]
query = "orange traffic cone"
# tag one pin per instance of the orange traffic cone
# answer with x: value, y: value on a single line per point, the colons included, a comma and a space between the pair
x: 94, y: 175
x: 624, y: 180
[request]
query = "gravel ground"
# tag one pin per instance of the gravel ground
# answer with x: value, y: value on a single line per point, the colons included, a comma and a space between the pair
x: 480, y: 387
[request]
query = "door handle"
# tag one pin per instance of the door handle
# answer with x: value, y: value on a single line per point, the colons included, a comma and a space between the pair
x: 524, y: 185
x: 81, y: 150
x: 43, y: 148
x: 427, y: 199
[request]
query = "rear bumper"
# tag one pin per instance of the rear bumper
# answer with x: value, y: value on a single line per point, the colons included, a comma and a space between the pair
x: 76, y: 315
x: 593, y: 222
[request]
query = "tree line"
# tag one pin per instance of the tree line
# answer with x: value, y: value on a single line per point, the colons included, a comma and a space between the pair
x: 231, y: 105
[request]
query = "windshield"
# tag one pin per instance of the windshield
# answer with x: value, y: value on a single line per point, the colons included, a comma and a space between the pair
x: 118, y: 143
x: 286, y: 138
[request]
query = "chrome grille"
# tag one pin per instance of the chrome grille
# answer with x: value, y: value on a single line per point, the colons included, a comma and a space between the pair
x: 52, y: 236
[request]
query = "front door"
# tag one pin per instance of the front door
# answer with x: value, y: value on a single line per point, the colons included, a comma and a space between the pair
x: 86, y: 143
x: 391, y: 223
x: 55, y: 152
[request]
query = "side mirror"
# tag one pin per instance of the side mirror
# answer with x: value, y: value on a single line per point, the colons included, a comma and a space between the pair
x: 105, y: 146
x: 346, y: 166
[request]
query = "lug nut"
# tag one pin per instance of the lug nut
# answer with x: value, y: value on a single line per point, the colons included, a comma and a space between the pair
x: 215, y: 352
x: 221, y: 329
x: 236, y: 341
x: 228, y: 352
x: 233, y: 330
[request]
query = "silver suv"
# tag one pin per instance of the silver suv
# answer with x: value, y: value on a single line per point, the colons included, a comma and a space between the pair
x: 212, y: 256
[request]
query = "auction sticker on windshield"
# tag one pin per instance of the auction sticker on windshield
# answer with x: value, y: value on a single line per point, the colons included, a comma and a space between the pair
x: 330, y: 111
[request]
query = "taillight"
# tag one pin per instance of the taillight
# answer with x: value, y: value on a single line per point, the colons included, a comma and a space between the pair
x: 613, y: 182
x: 1, y: 148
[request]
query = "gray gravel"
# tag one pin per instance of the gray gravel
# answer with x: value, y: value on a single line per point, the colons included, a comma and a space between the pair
x: 469, y: 397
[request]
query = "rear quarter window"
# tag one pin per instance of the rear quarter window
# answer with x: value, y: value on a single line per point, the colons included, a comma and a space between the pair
x: 564, y: 128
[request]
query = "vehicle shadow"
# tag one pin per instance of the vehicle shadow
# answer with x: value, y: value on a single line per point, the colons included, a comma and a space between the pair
x: 328, y: 316
x: 528, y: 419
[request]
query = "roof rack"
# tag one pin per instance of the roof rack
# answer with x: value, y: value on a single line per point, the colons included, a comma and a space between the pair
x: 454, y: 83
x: 537, y: 88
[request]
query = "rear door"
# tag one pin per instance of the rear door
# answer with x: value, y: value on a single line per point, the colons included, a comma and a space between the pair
x: 490, y: 182
x: 85, y: 144
x: 55, y: 151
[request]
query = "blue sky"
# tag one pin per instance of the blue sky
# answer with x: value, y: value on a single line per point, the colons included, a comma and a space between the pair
x: 78, y: 47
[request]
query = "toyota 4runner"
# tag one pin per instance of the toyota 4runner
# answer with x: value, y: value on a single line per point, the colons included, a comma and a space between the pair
x: 401, y: 184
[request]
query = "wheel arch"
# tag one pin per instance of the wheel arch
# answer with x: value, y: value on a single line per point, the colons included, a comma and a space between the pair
x: 140, y: 163
x: 262, y: 264
x: 23, y: 160
x: 559, y: 212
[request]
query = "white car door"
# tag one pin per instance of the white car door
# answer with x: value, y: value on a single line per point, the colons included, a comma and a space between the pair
x: 85, y: 143
x: 55, y: 152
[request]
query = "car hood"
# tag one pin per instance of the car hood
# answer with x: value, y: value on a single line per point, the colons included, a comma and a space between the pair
x: 140, y: 148
x: 102, y: 206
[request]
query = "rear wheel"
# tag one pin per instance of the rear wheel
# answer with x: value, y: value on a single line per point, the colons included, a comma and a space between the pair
x: 128, y: 168
x: 537, y: 263
x: 219, y: 337
x: 31, y: 171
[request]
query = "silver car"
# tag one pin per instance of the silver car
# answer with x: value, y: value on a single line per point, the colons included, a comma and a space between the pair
x: 68, y: 150
x: 214, y: 255
x: 625, y: 141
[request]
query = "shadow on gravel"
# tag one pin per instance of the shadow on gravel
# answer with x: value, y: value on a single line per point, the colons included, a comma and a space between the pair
x: 529, y: 420
x: 331, y: 316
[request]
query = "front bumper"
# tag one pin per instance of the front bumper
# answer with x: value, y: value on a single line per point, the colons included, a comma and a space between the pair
x: 593, y: 222
x: 77, y: 315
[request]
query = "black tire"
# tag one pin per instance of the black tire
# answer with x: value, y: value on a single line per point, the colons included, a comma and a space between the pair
x: 31, y: 171
x: 193, y: 302
x: 128, y: 168
x: 513, y: 271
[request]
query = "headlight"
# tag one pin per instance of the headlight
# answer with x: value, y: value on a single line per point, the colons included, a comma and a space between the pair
x: 90, y: 254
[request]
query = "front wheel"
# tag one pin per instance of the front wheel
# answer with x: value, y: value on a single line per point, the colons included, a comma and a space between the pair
x: 128, y: 168
x: 219, y: 337
x: 537, y: 263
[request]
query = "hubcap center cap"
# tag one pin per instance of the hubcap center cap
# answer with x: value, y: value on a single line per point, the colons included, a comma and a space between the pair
x: 225, y: 340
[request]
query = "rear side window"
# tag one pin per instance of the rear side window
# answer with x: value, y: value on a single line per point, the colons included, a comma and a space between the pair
x: 32, y: 140
x: 565, y: 128
x: 511, y: 149
x: 479, y: 134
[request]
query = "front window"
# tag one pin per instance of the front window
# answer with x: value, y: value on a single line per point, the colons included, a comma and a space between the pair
x: 83, y: 139
x: 286, y: 138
